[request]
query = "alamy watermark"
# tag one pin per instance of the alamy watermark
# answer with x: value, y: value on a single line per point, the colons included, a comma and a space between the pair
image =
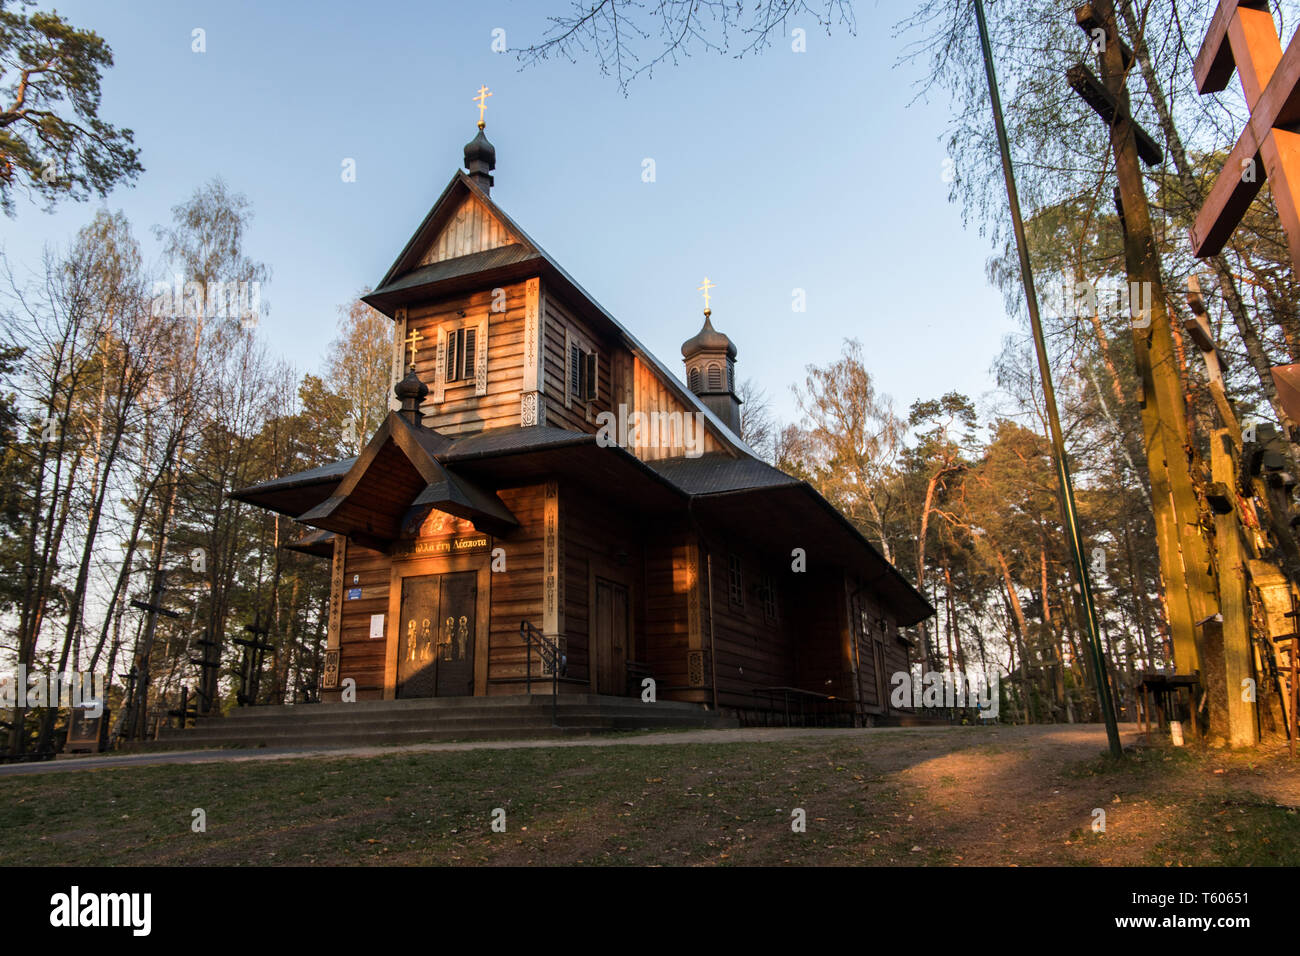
x: 946, y: 689
x: 215, y: 299
x: 1105, y: 298
x: 53, y: 690
x: 664, y: 430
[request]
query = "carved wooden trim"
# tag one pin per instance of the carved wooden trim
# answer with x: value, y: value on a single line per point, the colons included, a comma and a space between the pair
x: 553, y: 565
x: 481, y: 358
x: 336, y: 591
x: 399, y: 357
x: 440, y: 366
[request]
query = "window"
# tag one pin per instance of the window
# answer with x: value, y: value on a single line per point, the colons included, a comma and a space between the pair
x: 731, y: 377
x: 693, y: 379
x: 735, y: 581
x: 715, y: 378
x: 767, y: 591
x: 582, y: 374
x: 461, y: 351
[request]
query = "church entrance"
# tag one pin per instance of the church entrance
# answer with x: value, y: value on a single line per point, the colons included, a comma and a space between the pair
x: 436, y: 639
x: 611, y: 637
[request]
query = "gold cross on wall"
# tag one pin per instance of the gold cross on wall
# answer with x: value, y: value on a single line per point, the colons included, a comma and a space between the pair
x: 481, y: 100
x: 412, y: 340
x: 705, y: 289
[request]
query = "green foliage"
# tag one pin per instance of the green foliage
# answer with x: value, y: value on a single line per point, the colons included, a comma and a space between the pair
x: 52, y: 141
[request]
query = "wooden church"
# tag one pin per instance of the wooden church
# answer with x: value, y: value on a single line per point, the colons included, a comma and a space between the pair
x: 546, y: 492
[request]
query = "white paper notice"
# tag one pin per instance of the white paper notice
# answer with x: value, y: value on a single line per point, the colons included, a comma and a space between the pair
x: 376, y: 625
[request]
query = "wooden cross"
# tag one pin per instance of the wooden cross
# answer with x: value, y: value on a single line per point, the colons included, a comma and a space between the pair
x: 481, y: 100
x: 1109, y: 105
x: 412, y: 340
x: 705, y: 289
x: 1242, y: 38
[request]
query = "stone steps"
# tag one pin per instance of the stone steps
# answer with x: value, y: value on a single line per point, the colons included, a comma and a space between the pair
x: 420, y: 721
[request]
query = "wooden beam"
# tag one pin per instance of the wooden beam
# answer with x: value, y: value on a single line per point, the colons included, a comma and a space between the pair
x: 1105, y: 105
x: 1214, y: 62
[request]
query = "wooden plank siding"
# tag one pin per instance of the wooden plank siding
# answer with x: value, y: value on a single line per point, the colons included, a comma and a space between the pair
x: 517, y: 591
x: 360, y: 657
x: 751, y: 648
x: 470, y: 229
x: 600, y: 541
x: 575, y: 415
x: 665, y: 633
x: 461, y: 410
x: 650, y: 395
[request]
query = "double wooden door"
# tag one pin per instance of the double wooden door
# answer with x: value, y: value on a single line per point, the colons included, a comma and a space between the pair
x: 435, y: 652
x: 611, y: 637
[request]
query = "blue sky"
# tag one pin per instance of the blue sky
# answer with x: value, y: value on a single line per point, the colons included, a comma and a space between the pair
x: 775, y: 172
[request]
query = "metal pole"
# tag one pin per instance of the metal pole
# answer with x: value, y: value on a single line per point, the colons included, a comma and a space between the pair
x: 1049, y: 397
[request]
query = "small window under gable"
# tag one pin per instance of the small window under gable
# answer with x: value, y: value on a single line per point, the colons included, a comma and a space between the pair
x: 581, y: 372
x: 462, y: 349
x: 462, y: 356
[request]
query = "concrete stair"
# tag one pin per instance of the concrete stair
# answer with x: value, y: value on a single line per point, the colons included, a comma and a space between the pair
x: 431, y: 720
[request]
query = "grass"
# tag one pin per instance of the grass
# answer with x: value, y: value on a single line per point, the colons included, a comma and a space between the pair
x: 670, y: 804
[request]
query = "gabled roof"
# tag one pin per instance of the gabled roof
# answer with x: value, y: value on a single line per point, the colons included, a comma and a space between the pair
x: 396, y: 481
x: 400, y: 283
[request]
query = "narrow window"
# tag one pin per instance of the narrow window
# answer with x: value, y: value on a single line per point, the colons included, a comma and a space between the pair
x: 735, y: 581
x: 693, y: 379
x: 715, y: 378
x: 588, y: 390
x: 469, y: 352
x: 769, y: 598
x: 582, y: 374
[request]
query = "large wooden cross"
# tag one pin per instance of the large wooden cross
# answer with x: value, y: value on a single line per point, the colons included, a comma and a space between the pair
x: 1242, y: 38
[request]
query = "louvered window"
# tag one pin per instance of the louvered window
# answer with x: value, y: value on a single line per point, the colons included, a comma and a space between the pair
x: 715, y: 378
x: 582, y: 374
x: 462, y: 347
x: 693, y: 379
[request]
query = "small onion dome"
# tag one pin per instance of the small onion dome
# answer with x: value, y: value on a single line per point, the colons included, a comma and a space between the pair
x: 480, y: 160
x: 411, y: 388
x: 708, y: 339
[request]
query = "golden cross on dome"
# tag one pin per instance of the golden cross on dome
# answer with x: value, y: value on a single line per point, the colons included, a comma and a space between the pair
x: 705, y: 289
x: 481, y: 100
x: 413, y: 340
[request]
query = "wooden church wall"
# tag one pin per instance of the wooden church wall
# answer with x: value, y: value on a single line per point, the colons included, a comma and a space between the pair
x: 462, y: 410
x: 517, y: 591
x: 599, y: 542
x: 577, y: 416
x: 752, y: 649
x: 651, y: 395
x: 825, y: 664
x: 360, y: 656
x: 665, y: 609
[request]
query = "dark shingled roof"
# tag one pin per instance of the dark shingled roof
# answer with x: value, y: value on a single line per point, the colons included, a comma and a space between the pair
x: 717, y: 474
x: 459, y: 266
x: 513, y: 439
x: 330, y: 472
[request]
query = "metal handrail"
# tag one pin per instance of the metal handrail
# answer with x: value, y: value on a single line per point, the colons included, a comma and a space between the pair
x: 550, y: 652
